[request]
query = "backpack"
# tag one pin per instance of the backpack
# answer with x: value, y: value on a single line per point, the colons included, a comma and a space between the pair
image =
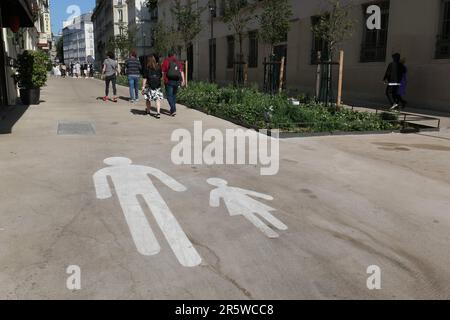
x: 154, y: 79
x: 174, y: 72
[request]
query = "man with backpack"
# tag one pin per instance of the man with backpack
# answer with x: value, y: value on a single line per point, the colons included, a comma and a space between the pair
x: 172, y: 70
x: 393, y: 78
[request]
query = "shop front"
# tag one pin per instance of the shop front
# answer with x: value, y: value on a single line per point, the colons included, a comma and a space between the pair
x: 14, y: 14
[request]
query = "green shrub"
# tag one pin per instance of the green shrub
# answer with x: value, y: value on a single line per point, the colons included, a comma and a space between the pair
x: 32, y: 69
x: 255, y: 109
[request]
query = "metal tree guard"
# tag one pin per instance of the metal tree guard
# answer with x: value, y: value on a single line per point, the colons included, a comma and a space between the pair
x: 273, y: 75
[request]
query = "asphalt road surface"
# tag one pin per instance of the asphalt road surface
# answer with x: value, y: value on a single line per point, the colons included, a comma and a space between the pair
x: 347, y: 203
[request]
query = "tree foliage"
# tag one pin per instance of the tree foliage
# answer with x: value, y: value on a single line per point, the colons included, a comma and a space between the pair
x: 275, y: 21
x: 32, y: 69
x: 122, y: 44
x: 336, y: 25
x: 165, y: 38
x: 237, y: 15
x: 188, y: 19
x: 60, y: 49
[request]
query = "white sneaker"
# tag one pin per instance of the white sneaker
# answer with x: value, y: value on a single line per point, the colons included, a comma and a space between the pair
x: 395, y: 106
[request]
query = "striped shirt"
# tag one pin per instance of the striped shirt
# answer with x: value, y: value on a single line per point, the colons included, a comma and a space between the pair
x: 133, y: 66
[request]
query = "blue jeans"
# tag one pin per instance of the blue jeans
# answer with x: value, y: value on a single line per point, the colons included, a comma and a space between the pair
x: 171, y: 92
x: 133, y: 81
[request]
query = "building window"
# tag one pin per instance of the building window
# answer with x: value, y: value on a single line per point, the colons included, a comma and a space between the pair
x: 373, y: 48
x: 253, y: 49
x: 230, y: 52
x: 318, y: 44
x: 154, y: 14
x: 443, y: 39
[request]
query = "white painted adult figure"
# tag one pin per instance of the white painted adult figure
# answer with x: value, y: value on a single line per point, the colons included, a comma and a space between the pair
x: 239, y: 202
x: 130, y: 181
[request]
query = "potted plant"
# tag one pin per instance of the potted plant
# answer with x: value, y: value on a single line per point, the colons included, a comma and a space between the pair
x: 32, y: 69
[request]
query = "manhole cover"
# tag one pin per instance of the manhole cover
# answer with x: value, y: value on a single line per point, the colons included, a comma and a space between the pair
x: 75, y: 128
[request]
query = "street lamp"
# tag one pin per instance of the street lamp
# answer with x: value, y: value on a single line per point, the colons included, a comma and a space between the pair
x: 212, y: 58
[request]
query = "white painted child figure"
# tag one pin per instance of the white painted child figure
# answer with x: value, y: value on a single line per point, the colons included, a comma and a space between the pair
x: 239, y: 202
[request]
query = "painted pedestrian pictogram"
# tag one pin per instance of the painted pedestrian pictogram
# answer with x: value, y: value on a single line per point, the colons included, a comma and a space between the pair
x: 131, y: 181
x: 240, y: 202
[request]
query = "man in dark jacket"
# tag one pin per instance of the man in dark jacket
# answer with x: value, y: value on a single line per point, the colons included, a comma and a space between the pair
x: 133, y: 71
x: 393, y: 78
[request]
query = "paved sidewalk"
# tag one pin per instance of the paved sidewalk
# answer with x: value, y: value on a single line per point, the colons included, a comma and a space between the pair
x: 443, y: 117
x: 349, y: 202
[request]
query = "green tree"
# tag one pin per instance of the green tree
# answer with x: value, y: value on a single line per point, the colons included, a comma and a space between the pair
x: 165, y: 38
x: 334, y: 26
x: 60, y: 49
x: 237, y: 15
x: 122, y: 44
x: 188, y: 19
x: 275, y: 21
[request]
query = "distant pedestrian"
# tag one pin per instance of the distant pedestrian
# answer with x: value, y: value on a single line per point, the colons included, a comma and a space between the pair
x: 63, y: 70
x: 110, y: 74
x: 151, y: 86
x: 72, y: 69
x: 173, y: 78
x: 133, y: 70
x: 78, y: 69
x: 85, y: 71
x: 91, y: 70
x: 393, y: 78
x: 55, y: 70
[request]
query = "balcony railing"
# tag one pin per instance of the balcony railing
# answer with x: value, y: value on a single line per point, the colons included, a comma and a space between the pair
x: 443, y: 48
x: 373, y: 53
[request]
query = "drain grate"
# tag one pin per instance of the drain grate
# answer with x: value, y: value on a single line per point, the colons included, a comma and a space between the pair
x: 75, y: 128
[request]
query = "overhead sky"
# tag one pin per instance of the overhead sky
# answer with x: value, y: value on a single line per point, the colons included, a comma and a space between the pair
x: 58, y: 10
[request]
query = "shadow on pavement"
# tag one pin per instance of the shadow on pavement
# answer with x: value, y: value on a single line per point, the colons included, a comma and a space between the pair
x: 142, y: 112
x: 137, y: 112
x: 9, y: 117
x: 127, y: 99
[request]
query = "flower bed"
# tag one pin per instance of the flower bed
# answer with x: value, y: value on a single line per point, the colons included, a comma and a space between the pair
x: 251, y: 108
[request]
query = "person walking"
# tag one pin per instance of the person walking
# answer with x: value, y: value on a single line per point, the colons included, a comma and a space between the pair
x: 392, y: 79
x: 110, y: 74
x: 91, y: 70
x: 172, y: 70
x: 63, y: 70
x: 133, y: 70
x: 78, y: 69
x: 151, y: 86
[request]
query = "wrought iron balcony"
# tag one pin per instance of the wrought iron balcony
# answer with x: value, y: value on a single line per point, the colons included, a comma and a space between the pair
x: 443, y: 47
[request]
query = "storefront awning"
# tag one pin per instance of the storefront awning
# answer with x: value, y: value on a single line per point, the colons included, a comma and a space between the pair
x: 17, y: 8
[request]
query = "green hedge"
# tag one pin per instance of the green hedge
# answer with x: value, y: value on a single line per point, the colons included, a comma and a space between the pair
x: 252, y: 108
